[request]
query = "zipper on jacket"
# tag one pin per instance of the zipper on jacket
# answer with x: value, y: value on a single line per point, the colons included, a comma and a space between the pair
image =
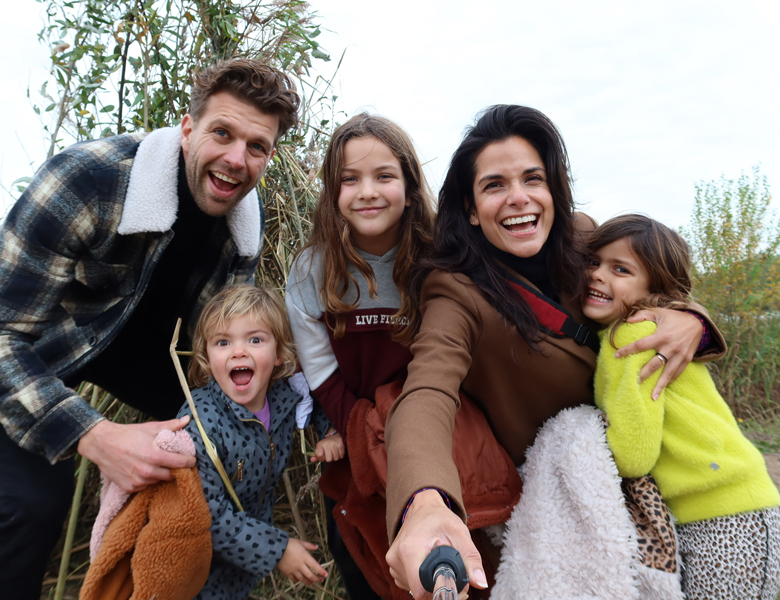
x: 239, y: 474
x: 273, y: 455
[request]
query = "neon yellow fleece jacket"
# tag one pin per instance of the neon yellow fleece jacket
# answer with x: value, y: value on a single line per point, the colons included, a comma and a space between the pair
x: 688, y: 440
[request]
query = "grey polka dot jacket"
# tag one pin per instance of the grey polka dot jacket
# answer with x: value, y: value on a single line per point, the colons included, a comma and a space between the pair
x: 246, y: 544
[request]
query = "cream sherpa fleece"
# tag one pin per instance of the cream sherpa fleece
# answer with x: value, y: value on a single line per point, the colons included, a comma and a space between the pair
x: 570, y: 537
x: 152, y: 199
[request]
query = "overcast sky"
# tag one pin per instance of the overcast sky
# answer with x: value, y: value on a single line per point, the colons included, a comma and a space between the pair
x: 650, y: 97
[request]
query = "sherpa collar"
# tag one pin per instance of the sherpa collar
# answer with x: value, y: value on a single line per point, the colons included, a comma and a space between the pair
x: 152, y: 200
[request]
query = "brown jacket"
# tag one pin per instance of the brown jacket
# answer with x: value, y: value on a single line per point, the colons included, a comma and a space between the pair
x: 464, y: 344
x: 157, y: 546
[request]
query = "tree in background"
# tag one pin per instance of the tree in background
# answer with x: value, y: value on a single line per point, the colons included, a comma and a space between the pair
x: 734, y: 238
x: 126, y: 65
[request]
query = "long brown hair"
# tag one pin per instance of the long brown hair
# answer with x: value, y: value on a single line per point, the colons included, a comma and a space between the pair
x: 663, y: 253
x: 331, y: 234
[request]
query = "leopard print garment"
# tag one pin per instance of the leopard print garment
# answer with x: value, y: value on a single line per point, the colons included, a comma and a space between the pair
x: 732, y: 558
x: 653, y: 522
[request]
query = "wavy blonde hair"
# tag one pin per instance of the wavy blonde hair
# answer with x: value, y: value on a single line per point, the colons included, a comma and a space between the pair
x: 234, y: 302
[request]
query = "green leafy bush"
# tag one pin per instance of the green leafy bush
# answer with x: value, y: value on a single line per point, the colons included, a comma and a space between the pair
x: 734, y: 238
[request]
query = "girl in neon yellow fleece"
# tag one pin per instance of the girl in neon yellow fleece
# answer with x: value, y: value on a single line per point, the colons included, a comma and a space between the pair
x: 712, y: 478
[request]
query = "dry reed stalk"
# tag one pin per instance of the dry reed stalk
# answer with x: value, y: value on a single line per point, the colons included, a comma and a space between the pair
x: 291, y: 496
x: 211, y: 450
x: 59, y: 592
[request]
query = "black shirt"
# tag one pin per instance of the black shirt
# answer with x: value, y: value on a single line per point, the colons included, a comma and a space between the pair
x: 136, y: 367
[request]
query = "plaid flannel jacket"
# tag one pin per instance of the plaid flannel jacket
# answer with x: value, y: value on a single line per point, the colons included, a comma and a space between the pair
x: 69, y: 281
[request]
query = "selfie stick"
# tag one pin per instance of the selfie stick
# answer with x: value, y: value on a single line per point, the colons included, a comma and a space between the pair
x: 443, y: 573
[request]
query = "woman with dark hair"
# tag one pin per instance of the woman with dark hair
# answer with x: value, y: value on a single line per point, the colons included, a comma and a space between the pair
x: 500, y: 322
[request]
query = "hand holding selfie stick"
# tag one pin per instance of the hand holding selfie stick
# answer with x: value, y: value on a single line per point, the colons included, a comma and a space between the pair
x: 443, y: 573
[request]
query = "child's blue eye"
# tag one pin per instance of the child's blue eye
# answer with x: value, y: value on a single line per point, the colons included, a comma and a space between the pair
x: 222, y: 343
x: 256, y: 340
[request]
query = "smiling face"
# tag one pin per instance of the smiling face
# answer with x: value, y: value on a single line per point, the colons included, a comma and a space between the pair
x: 242, y: 357
x: 226, y: 151
x: 618, y: 279
x: 372, y: 197
x: 512, y: 201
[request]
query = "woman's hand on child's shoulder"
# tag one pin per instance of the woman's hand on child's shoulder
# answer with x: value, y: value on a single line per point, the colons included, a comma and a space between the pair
x: 300, y: 566
x: 330, y: 448
x: 675, y: 340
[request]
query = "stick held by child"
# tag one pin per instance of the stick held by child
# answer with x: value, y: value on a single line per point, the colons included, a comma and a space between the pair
x: 242, y: 358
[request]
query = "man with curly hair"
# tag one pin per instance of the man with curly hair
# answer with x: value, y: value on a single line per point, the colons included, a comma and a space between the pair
x: 112, y: 241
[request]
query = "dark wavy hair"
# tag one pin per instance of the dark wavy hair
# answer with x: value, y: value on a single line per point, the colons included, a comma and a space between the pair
x: 663, y: 253
x: 462, y: 248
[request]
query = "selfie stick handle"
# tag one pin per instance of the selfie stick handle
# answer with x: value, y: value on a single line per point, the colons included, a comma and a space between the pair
x: 443, y: 573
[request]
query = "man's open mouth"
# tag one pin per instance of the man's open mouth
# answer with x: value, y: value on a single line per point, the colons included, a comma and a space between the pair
x: 222, y: 182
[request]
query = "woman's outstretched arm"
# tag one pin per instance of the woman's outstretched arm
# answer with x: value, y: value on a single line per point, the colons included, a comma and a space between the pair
x: 419, y: 437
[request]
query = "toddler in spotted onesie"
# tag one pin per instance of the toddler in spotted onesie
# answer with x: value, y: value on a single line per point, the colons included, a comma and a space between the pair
x: 242, y: 358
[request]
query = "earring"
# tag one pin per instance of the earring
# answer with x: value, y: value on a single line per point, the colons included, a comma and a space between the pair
x: 473, y: 220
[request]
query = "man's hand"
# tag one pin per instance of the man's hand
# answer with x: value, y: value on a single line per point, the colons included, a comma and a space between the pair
x: 128, y: 455
x: 429, y: 523
x: 677, y: 338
